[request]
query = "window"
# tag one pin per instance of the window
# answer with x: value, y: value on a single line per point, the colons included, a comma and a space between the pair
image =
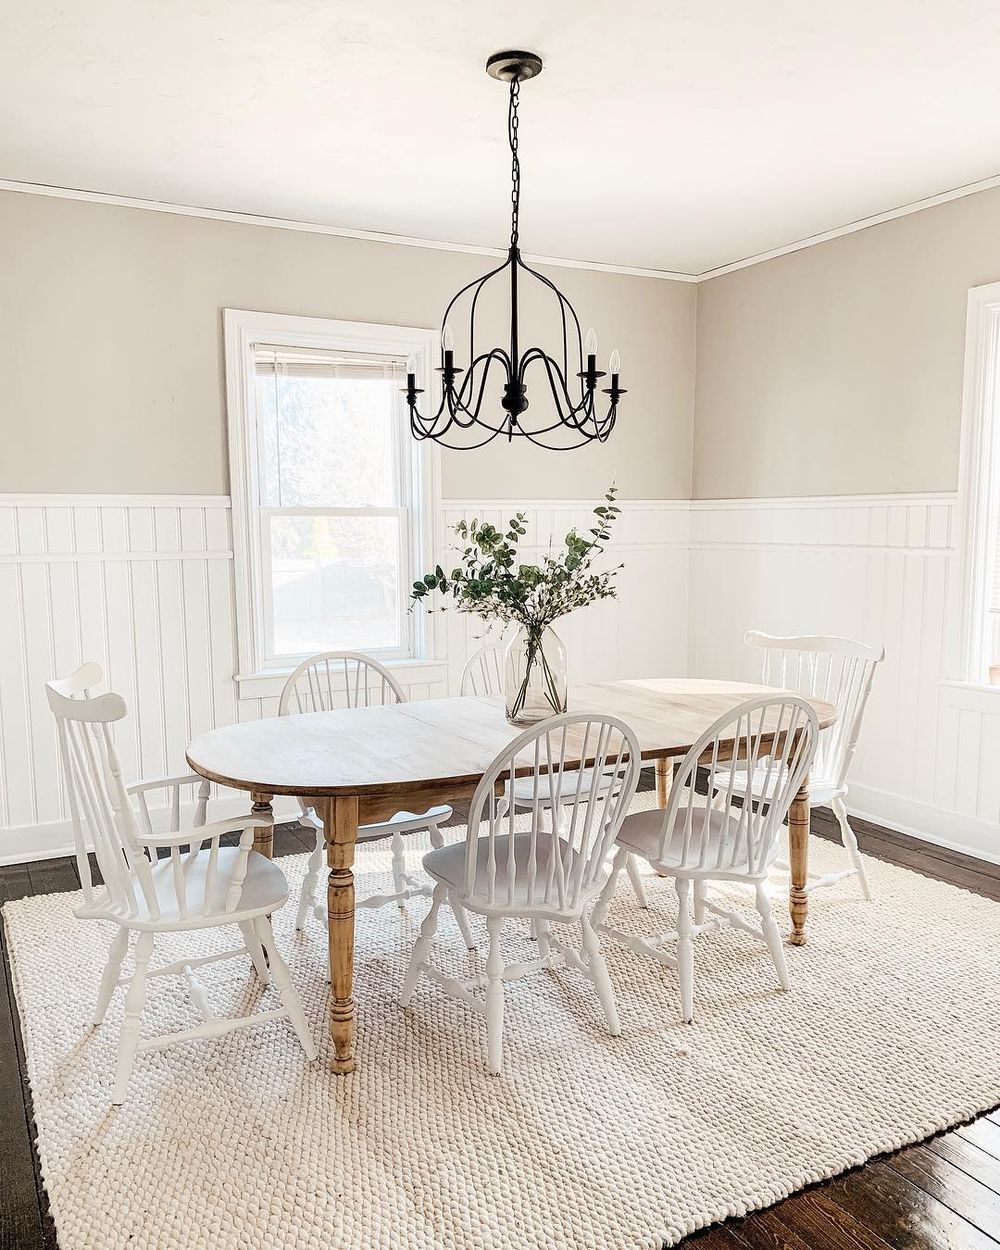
x: 332, y: 497
x: 978, y: 567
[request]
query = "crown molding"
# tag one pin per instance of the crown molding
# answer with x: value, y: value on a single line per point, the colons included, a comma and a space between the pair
x: 863, y: 223
x: 312, y: 227
x: 560, y: 262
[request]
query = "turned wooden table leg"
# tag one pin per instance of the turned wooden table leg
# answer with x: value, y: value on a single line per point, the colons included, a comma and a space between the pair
x: 798, y: 858
x: 664, y: 780
x: 340, y: 825
x: 263, y: 839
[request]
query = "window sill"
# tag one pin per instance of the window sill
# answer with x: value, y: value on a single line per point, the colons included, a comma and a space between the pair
x: 974, y: 696
x: 270, y: 683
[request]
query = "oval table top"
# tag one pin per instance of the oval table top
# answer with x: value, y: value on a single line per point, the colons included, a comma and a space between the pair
x: 437, y: 742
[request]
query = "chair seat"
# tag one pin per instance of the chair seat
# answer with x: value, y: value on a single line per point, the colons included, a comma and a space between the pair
x: 641, y: 833
x: 401, y: 822
x: 447, y: 864
x: 821, y: 790
x: 524, y: 788
x: 264, y: 890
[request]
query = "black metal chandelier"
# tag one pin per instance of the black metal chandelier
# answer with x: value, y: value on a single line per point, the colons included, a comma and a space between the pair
x: 460, y: 421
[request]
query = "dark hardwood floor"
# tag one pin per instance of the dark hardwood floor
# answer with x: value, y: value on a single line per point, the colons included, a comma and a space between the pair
x: 941, y: 1195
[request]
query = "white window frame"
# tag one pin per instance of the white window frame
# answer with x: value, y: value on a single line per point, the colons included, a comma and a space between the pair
x: 979, y: 486
x: 244, y: 333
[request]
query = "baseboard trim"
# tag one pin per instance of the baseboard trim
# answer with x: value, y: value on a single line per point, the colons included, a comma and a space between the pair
x: 935, y: 825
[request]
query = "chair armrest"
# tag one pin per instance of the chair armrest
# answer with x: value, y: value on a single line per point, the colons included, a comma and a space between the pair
x: 206, y: 833
x: 163, y: 783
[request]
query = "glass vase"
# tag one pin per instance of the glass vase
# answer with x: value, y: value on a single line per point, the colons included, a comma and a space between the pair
x: 535, y: 678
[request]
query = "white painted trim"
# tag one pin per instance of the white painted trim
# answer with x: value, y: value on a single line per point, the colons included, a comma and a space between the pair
x: 667, y: 505
x: 269, y: 684
x: 903, y: 500
x: 314, y: 227
x: 863, y: 223
x: 923, y: 821
x: 560, y: 262
x: 82, y: 499
x: 978, y: 480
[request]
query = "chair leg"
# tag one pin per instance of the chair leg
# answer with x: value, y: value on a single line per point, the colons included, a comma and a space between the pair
x: 601, y: 976
x: 541, y: 928
x: 851, y: 846
x: 112, y: 971
x: 700, y: 910
x: 398, y: 868
x: 254, y: 949
x: 286, y: 989
x: 685, y: 949
x: 462, y: 920
x: 128, y: 1044
x: 632, y: 868
x: 772, y: 935
x: 494, y: 996
x: 421, y: 956
x: 600, y: 913
x: 437, y: 837
x: 307, y: 895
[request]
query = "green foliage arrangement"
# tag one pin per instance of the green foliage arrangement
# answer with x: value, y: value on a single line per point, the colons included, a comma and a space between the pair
x: 491, y: 582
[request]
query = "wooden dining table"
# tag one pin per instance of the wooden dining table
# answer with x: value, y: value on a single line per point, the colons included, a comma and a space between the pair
x: 360, y: 766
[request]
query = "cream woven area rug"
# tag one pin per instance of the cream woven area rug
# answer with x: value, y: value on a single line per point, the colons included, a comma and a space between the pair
x: 889, y: 1034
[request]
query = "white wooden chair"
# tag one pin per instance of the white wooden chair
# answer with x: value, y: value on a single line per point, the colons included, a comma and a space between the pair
x: 207, y: 885
x: 483, y: 676
x: 736, y: 840
x: 544, y: 874
x: 338, y: 679
x: 839, y: 671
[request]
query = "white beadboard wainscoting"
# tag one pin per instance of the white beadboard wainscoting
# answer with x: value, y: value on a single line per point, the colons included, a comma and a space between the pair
x: 876, y: 568
x: 144, y: 584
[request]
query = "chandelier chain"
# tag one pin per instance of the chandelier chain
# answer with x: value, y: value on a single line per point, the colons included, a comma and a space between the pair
x: 515, y: 167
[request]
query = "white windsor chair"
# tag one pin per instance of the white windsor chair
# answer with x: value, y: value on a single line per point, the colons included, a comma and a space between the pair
x: 840, y: 672
x: 542, y: 873
x: 337, y: 679
x: 735, y: 840
x: 141, y: 893
x: 483, y: 676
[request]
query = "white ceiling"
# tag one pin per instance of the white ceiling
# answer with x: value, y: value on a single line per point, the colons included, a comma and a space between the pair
x: 669, y: 134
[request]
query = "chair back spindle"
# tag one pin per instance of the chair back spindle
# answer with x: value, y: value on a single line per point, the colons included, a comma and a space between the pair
x: 774, y: 740
x: 338, y: 679
x: 482, y: 675
x: 586, y: 768
x: 836, y: 670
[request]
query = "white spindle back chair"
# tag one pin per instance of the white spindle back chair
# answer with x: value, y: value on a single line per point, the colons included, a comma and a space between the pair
x: 200, y: 884
x: 483, y: 672
x: 350, y: 679
x: 483, y: 676
x: 839, y: 671
x: 544, y: 872
x: 734, y: 840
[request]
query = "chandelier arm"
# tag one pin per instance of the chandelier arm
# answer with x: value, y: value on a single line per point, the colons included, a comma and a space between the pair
x: 601, y: 426
x: 572, y: 413
x: 563, y: 305
x: 485, y: 359
x: 476, y: 282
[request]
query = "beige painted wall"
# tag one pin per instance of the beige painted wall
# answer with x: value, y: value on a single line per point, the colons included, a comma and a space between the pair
x: 111, y: 350
x: 838, y: 369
